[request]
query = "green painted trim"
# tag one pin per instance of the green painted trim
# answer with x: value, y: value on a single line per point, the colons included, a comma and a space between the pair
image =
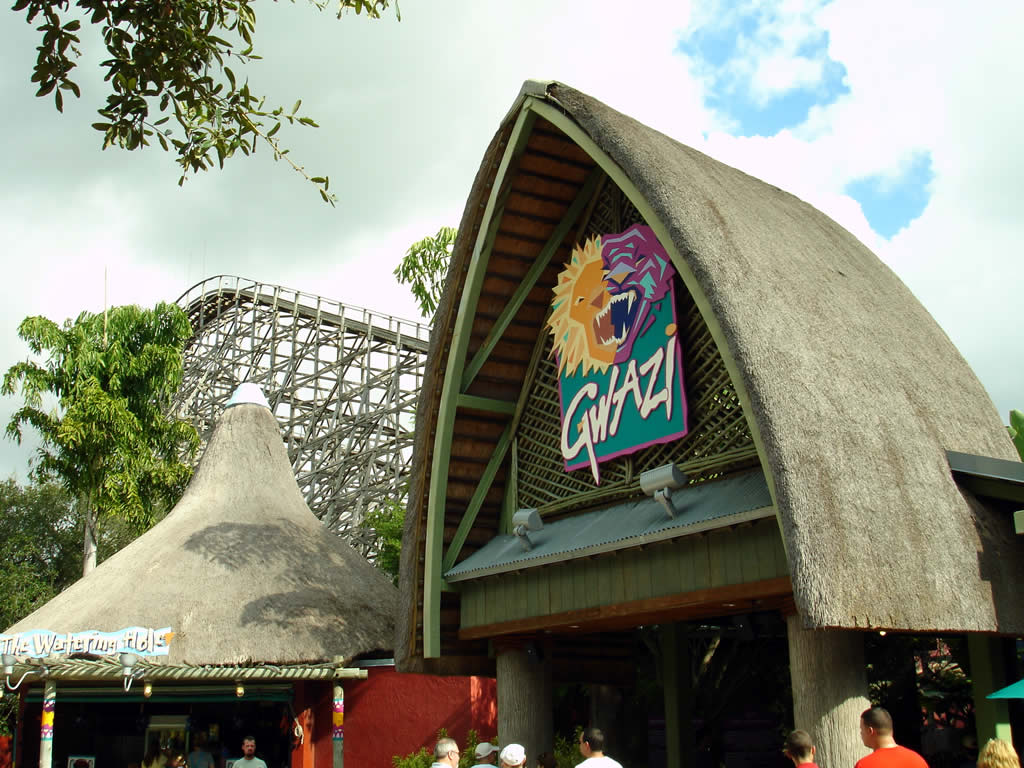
x: 532, y: 276
x: 477, y: 500
x: 988, y: 674
x: 510, y: 502
x: 433, y: 555
x: 504, y: 407
x: 713, y: 560
x: 588, y: 145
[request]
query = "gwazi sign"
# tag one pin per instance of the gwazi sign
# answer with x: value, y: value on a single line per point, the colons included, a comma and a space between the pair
x: 620, y: 367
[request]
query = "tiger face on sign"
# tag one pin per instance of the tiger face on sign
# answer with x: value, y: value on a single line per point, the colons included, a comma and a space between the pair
x: 603, y: 298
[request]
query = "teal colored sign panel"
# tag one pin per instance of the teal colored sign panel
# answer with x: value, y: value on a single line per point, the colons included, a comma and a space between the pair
x: 616, y: 340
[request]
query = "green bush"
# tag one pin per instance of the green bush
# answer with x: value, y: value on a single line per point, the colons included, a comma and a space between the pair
x: 425, y: 756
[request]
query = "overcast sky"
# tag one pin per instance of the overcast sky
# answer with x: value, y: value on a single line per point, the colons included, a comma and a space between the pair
x: 899, y: 120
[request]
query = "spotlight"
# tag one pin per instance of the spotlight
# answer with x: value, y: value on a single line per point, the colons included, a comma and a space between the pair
x: 526, y: 520
x: 128, y: 671
x: 659, y: 483
x: 239, y: 690
x: 147, y: 690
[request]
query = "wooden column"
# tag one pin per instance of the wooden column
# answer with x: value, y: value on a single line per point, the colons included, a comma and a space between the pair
x: 339, y: 726
x: 671, y: 686
x: 988, y: 673
x: 524, y: 699
x: 46, y: 725
x: 829, y: 690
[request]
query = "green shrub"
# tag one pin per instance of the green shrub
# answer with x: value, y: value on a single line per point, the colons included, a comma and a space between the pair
x: 425, y: 756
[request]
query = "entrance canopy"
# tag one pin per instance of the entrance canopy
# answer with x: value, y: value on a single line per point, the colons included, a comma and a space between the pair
x: 803, y: 357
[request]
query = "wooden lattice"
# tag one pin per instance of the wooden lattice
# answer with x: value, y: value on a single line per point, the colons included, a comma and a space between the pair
x: 342, y: 381
x: 719, y: 439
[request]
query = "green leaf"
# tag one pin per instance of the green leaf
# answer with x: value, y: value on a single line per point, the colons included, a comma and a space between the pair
x: 1017, y: 431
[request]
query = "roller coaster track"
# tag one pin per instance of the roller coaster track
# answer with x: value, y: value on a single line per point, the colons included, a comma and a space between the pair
x: 342, y: 382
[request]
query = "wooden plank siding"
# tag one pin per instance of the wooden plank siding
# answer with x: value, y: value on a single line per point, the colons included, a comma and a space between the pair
x: 748, y: 560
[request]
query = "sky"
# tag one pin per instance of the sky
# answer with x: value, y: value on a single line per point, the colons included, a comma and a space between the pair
x: 898, y: 120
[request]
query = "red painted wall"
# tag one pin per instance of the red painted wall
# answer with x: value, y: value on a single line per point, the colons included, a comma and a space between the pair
x: 395, y: 714
x: 6, y: 745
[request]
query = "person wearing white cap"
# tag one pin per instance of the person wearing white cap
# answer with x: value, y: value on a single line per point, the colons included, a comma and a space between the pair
x: 486, y: 753
x: 512, y: 756
x: 592, y: 748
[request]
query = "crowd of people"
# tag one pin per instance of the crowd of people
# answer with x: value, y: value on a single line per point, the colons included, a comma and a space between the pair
x: 172, y: 756
x: 876, y: 733
x: 591, y: 746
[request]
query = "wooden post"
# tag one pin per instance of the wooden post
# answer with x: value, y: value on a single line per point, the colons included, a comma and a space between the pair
x: 670, y: 686
x: 46, y: 726
x: 524, y: 699
x: 988, y: 673
x: 829, y: 690
x: 339, y: 726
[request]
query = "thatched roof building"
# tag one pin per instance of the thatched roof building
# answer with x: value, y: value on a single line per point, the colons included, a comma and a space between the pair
x: 806, y: 359
x: 241, y: 570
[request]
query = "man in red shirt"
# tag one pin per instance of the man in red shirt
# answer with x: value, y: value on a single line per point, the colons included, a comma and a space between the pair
x: 876, y: 733
x: 800, y: 749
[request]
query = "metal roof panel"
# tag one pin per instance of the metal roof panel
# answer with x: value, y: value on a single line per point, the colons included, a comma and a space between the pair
x: 704, y: 506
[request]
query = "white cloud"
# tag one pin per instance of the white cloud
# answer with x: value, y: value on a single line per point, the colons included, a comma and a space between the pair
x: 408, y: 108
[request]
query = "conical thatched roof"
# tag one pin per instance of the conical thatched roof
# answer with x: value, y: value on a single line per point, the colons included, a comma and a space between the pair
x: 851, y: 389
x: 240, y: 569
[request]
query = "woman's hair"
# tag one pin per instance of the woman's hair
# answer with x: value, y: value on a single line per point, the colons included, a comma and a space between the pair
x: 998, y: 754
x: 152, y: 753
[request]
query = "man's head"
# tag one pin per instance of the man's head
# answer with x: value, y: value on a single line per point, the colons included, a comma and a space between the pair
x: 248, y: 747
x: 875, y: 727
x: 512, y: 756
x: 486, y: 752
x: 592, y: 742
x: 799, y: 748
x: 446, y: 751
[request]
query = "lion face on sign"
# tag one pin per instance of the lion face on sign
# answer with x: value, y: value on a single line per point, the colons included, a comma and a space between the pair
x: 581, y: 295
x: 603, y: 299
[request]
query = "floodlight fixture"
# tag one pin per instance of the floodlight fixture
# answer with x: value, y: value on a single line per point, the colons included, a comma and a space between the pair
x: 8, y: 669
x: 659, y: 484
x: 128, y: 669
x: 523, y: 521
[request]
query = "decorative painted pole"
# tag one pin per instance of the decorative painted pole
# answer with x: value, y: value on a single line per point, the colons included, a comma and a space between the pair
x: 46, y: 728
x: 339, y: 727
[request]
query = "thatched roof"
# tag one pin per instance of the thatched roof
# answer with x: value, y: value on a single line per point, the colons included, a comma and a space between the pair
x: 240, y: 569
x: 851, y: 389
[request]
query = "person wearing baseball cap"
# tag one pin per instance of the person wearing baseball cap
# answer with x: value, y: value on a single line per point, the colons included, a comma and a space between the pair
x: 512, y: 756
x: 486, y: 753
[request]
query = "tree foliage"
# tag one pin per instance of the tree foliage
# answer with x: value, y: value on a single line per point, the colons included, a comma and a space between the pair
x: 111, y: 441
x: 425, y: 267
x: 169, y: 60
x: 1017, y: 431
x: 39, y: 547
x: 387, y: 522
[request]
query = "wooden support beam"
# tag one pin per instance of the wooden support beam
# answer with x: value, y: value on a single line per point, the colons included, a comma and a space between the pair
x: 463, y: 326
x: 477, y: 500
x: 767, y: 594
x: 504, y: 407
x: 532, y: 276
